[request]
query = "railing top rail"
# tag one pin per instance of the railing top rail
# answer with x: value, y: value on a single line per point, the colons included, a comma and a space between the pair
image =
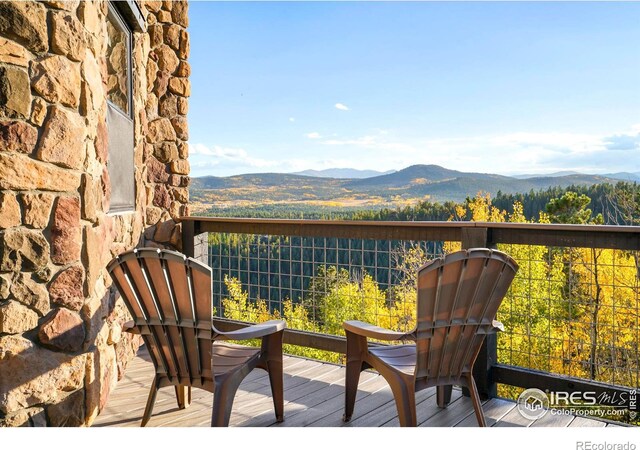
x: 417, y: 224
x: 596, y: 236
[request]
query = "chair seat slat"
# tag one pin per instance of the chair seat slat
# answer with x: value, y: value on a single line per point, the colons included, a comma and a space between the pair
x: 172, y: 322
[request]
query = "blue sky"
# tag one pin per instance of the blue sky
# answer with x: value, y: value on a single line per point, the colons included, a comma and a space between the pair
x: 506, y: 88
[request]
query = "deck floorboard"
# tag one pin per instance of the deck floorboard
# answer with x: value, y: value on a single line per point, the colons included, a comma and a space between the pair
x: 314, y: 396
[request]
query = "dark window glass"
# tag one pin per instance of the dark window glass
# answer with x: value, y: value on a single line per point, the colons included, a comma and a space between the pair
x: 119, y: 113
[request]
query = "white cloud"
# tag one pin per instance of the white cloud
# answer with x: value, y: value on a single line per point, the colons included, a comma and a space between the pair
x: 203, y: 158
x: 231, y: 153
x: 363, y: 141
x: 508, y: 153
x: 531, y: 152
x: 342, y: 107
x: 292, y: 119
x: 225, y: 161
x: 372, y: 142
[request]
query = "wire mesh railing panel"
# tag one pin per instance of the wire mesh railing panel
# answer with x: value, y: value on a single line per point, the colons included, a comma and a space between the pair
x: 569, y: 311
x: 317, y: 283
x: 573, y: 311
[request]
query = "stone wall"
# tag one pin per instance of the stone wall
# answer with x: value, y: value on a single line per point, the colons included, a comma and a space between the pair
x: 61, y: 343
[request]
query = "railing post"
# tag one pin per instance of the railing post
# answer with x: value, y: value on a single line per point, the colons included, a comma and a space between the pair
x: 488, y: 356
x: 188, y: 234
x: 475, y: 237
x: 194, y: 243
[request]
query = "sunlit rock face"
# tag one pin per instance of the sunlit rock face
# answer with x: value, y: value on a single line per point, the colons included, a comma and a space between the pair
x: 62, y: 348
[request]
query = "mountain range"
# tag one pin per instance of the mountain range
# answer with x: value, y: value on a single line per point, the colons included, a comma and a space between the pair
x: 413, y: 183
x: 624, y: 176
x: 342, y: 173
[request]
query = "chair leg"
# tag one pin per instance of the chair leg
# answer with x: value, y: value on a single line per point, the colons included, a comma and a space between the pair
x: 443, y: 395
x: 475, y: 398
x: 352, y: 378
x: 276, y: 374
x: 225, y: 392
x: 356, y: 345
x: 151, y: 400
x: 405, y: 397
x: 183, y: 396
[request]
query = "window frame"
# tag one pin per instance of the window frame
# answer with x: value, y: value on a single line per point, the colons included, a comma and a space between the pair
x: 124, y: 26
x: 129, y: 204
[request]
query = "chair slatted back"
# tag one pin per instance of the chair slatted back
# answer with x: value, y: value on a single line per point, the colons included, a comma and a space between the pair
x: 169, y: 298
x: 458, y: 297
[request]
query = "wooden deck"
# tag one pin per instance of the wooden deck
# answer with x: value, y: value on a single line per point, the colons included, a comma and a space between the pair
x: 314, y: 396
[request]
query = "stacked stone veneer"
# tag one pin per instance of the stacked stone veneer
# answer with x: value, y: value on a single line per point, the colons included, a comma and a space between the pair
x: 61, y: 343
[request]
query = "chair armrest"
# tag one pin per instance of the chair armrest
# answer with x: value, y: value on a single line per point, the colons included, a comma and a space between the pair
x: 375, y: 332
x: 253, y: 331
x: 497, y: 326
x: 130, y: 327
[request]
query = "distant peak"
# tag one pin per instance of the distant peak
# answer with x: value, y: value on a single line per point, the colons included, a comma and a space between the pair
x: 342, y: 173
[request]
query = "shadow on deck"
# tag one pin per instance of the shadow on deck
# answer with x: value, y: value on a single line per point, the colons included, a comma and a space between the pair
x: 314, y: 397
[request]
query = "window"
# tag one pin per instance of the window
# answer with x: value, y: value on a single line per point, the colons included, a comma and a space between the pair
x: 120, y: 112
x: 118, y: 56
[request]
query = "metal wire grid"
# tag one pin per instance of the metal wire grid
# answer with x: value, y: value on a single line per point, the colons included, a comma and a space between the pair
x: 569, y: 311
x: 307, y: 271
x: 573, y: 312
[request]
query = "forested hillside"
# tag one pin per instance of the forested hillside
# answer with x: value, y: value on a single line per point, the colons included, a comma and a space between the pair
x: 290, y: 193
x: 618, y: 204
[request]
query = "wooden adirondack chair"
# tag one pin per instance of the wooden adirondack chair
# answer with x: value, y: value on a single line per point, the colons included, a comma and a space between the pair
x: 169, y: 297
x: 458, y: 297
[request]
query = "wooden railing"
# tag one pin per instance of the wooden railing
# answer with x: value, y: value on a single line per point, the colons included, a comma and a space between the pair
x: 487, y: 371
